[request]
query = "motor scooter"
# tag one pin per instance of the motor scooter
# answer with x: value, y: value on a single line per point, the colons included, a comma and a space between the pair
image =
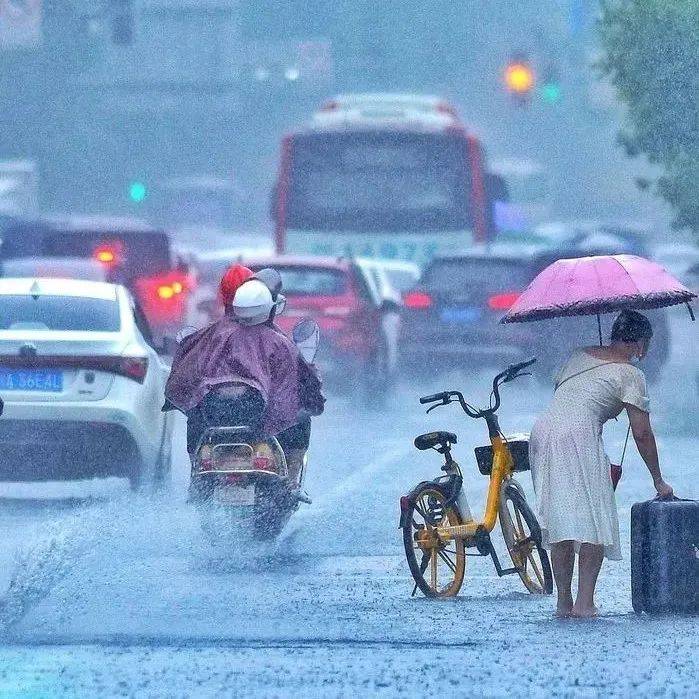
x: 241, y: 482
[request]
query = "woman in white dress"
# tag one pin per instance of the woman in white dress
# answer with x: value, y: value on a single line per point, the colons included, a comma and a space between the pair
x: 571, y: 472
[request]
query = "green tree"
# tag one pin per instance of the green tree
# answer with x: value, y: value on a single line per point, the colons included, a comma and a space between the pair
x: 652, y: 57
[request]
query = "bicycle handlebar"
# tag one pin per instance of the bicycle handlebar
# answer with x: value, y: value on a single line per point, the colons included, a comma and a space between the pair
x: 435, y: 397
x: 445, y: 397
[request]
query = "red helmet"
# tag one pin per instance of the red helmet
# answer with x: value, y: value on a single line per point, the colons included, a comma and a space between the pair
x: 234, y: 276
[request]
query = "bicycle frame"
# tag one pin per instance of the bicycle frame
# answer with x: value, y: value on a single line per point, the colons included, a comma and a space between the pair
x: 471, y: 531
x: 500, y: 476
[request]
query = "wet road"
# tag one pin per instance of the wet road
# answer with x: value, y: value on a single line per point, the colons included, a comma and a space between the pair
x: 120, y: 595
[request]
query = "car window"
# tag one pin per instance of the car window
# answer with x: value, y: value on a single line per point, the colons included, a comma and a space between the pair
x: 487, y: 275
x: 24, y: 312
x: 312, y: 281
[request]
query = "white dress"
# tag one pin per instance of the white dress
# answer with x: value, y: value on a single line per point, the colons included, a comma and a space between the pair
x: 571, y: 472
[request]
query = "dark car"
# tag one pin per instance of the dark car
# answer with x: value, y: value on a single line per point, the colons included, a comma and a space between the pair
x: 130, y: 252
x: 451, y: 319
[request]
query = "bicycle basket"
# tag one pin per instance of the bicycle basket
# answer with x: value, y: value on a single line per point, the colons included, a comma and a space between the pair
x: 519, y: 449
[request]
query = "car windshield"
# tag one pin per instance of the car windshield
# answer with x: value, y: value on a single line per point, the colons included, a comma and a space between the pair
x: 312, y: 281
x: 378, y: 181
x: 136, y: 253
x: 487, y: 275
x: 24, y: 312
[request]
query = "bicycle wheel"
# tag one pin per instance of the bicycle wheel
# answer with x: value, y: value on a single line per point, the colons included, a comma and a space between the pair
x: 523, y: 539
x: 437, y: 566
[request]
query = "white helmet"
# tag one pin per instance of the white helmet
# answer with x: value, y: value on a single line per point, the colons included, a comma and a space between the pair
x: 252, y: 303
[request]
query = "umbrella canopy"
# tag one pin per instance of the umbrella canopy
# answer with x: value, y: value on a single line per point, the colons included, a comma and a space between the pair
x: 594, y: 285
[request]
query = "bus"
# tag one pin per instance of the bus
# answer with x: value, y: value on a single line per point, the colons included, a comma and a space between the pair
x: 390, y: 176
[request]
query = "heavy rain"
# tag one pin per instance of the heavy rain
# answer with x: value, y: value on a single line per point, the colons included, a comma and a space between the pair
x: 270, y: 272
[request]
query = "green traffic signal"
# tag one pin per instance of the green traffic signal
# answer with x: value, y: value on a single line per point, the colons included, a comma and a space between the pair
x: 137, y: 192
x: 551, y: 92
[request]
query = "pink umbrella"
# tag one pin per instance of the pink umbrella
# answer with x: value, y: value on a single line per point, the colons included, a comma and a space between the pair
x: 594, y: 285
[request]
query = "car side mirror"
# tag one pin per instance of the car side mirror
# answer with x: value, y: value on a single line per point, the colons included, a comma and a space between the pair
x: 306, y: 337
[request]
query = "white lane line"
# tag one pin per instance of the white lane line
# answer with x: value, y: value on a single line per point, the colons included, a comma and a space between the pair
x: 360, y: 479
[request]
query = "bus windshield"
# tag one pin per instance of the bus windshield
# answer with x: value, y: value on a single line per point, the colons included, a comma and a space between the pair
x: 378, y: 182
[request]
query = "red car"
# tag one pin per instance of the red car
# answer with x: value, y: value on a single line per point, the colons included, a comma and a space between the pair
x: 358, y: 321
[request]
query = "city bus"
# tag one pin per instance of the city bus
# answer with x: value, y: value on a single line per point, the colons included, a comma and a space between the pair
x: 390, y: 176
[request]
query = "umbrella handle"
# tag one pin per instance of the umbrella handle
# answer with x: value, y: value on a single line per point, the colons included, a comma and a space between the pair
x: 599, y: 328
x: 691, y: 312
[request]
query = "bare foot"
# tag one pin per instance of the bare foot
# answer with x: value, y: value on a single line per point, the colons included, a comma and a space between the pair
x: 564, y: 605
x: 584, y: 612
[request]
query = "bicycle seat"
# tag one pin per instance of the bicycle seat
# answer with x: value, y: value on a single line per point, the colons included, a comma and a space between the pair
x: 434, y: 439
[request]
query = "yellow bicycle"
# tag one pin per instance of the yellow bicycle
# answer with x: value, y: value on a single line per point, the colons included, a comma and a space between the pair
x: 436, y: 519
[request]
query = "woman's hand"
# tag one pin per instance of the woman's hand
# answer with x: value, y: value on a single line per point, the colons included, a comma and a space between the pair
x: 663, y: 489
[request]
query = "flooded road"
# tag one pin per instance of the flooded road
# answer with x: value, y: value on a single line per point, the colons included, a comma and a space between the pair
x: 109, y: 593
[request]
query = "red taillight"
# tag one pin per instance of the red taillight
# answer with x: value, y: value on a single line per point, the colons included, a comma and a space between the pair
x: 263, y: 458
x: 503, y: 302
x: 107, y: 253
x: 263, y: 463
x: 417, y: 300
x: 134, y: 368
x: 165, y: 291
x: 168, y: 287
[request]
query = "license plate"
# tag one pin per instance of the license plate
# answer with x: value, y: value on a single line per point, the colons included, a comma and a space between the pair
x: 31, y: 380
x: 235, y: 495
x: 461, y: 316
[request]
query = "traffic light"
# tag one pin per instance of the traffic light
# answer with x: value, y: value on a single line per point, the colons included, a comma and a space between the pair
x: 137, y: 192
x: 519, y: 78
x: 550, y: 89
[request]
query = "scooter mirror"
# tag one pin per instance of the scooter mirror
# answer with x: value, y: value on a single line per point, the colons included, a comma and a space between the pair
x: 271, y: 279
x: 306, y: 336
x: 184, y: 332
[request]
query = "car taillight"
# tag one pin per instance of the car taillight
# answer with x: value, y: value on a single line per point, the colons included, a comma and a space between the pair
x: 134, y: 368
x: 263, y: 458
x: 107, y: 253
x: 206, y: 458
x: 168, y: 287
x: 503, y: 302
x: 417, y: 300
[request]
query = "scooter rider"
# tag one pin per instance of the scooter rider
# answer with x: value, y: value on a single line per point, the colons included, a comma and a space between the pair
x: 238, y: 370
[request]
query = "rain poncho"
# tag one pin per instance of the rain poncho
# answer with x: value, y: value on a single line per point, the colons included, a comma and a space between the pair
x: 227, y: 353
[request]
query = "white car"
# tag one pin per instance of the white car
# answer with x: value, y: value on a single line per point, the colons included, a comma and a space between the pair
x: 81, y: 383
